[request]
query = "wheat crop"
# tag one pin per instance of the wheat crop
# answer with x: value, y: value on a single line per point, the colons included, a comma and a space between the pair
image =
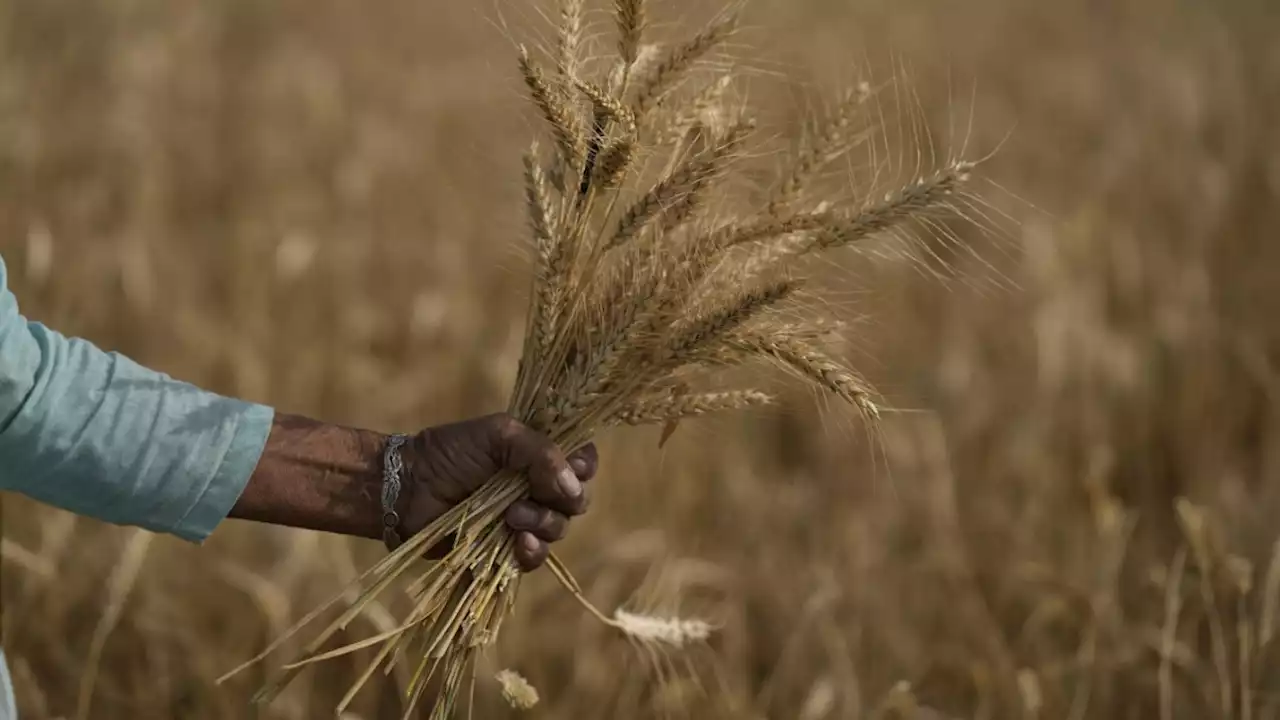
x: 648, y: 283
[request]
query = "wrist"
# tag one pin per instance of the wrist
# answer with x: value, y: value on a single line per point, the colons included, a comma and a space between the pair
x: 357, y: 508
x: 394, y: 493
x: 320, y: 476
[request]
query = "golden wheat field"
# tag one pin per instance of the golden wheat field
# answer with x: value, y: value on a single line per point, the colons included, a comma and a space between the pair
x: 1069, y: 508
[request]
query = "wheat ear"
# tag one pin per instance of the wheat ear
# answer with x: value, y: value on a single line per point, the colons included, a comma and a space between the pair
x: 678, y: 406
x: 554, y: 109
x: 832, y: 142
x: 630, y: 17
x: 569, y: 40
x: 549, y: 258
x: 682, y: 182
x: 667, y: 72
x: 814, y: 366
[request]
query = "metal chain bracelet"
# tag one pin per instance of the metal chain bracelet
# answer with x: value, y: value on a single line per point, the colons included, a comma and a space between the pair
x: 392, y: 468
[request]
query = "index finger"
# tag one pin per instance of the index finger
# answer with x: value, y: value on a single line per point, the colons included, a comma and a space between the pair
x: 552, y: 480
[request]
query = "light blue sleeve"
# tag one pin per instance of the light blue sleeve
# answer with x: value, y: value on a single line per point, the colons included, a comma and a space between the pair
x: 97, y: 434
x: 8, y: 704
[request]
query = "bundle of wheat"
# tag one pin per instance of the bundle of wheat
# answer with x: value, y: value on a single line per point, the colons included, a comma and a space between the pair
x: 640, y: 294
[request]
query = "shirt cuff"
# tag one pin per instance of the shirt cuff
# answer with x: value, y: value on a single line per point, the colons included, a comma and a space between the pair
x: 227, y: 484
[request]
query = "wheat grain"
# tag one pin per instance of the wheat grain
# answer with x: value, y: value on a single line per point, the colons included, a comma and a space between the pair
x: 516, y: 690
x: 712, y: 325
x: 551, y: 105
x: 614, y: 162
x: 667, y: 72
x: 683, y: 182
x: 735, y: 234
x: 609, y: 107
x: 631, y: 21
x: 570, y: 40
x: 813, y: 365
x: 676, y: 632
x: 914, y: 200
x: 830, y: 144
x: 779, y: 242
x: 549, y: 253
x: 672, y: 125
x: 678, y: 406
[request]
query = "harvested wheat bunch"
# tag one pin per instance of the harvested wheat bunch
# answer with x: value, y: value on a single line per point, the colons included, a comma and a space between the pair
x: 641, y: 294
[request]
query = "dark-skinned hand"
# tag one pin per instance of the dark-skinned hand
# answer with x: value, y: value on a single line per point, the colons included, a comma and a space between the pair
x: 322, y: 476
x: 447, y: 463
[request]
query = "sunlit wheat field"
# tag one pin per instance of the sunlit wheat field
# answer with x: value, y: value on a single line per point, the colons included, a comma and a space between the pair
x: 1067, y: 508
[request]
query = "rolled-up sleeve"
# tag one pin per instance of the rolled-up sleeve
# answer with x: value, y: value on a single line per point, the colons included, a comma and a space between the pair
x: 97, y: 434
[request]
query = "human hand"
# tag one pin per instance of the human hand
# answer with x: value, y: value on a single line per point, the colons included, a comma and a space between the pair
x: 446, y: 464
x: 327, y: 477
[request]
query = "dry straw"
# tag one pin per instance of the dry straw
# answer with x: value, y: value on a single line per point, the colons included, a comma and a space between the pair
x: 641, y: 297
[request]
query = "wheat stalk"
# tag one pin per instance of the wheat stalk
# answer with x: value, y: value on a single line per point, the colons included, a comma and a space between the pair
x: 626, y: 319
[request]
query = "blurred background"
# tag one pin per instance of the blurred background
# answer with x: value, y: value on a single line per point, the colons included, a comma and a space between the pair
x: 317, y: 205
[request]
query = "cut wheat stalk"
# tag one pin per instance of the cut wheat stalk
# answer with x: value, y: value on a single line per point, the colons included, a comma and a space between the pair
x: 627, y: 317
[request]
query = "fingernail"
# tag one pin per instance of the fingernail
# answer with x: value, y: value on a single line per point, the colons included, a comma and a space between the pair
x: 531, y: 544
x: 569, y: 484
x: 579, y: 466
x: 522, y: 516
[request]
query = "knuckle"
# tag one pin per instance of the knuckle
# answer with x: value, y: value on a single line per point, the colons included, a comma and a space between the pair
x: 588, y: 459
x: 505, y: 425
x: 557, y: 526
x: 531, y: 557
x: 523, y: 515
x: 546, y: 520
x: 573, y: 507
x: 551, y: 455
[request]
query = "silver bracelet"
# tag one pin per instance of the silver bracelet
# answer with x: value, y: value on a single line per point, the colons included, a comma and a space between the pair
x: 392, y: 467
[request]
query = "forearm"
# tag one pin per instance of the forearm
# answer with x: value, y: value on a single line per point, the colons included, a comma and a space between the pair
x: 317, y: 476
